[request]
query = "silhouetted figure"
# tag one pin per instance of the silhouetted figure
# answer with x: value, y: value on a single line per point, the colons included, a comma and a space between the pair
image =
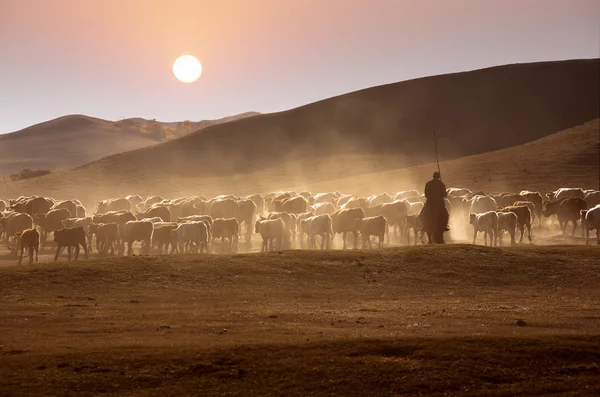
x: 435, y: 215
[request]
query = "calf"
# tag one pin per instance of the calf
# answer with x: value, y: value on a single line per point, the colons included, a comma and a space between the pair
x: 372, y: 226
x: 507, y: 221
x: 71, y: 237
x: 486, y: 222
x: 523, y: 214
x: 29, y: 239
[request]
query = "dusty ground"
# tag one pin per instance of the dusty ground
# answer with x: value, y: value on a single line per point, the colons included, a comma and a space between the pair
x: 403, y: 321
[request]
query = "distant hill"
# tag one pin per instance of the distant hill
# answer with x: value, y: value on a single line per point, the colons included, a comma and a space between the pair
x: 375, y: 130
x: 473, y: 112
x: 74, y: 140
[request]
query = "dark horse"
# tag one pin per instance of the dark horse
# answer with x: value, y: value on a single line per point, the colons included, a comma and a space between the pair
x: 434, y: 220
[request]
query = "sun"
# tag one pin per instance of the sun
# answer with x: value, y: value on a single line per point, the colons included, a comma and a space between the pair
x: 187, y: 69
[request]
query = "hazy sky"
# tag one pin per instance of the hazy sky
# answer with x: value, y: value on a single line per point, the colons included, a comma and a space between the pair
x: 112, y: 58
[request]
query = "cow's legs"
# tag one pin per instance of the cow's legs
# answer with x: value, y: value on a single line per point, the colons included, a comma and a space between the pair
x: 58, y: 249
x: 21, y: 258
x: 574, y: 228
x: 474, y: 235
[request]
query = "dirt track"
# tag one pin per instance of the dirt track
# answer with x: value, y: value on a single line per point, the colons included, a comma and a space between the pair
x: 424, y: 320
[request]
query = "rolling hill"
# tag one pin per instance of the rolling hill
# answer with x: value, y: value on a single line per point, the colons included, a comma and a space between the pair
x: 74, y: 140
x: 377, y: 139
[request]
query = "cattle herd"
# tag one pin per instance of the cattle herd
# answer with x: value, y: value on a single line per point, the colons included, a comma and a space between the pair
x: 282, y: 219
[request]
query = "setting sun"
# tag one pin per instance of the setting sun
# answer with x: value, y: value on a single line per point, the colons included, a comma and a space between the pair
x: 187, y: 69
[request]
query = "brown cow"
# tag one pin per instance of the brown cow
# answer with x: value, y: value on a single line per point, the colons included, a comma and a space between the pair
x: 567, y: 210
x: 29, y: 239
x: 71, y: 238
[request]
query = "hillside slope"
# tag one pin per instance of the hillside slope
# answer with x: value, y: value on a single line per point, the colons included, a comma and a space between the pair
x: 473, y: 112
x: 66, y: 142
x: 74, y: 140
x: 566, y: 158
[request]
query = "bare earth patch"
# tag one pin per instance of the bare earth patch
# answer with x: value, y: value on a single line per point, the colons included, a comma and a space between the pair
x: 403, y: 321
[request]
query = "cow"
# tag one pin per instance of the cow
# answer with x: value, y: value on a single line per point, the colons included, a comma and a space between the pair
x: 507, y: 221
x: 150, y: 201
x: 528, y: 204
x: 300, y: 218
x: 329, y: 197
x: 356, y: 202
x: 162, y: 237
x: 133, y: 231
x: 323, y: 208
x: 135, y: 201
x: 592, y: 198
x: 67, y: 204
x: 537, y: 200
x: 458, y: 191
x: 259, y: 201
x: 317, y: 225
x: 486, y: 222
x: 51, y: 222
x: 506, y: 200
x: 107, y: 236
x: 33, y: 205
x: 395, y: 214
x: 71, y: 237
x: 226, y: 229
x: 293, y: 205
x: 118, y: 217
x: 272, y: 232
x: 414, y: 223
x: 372, y: 226
x: 83, y: 222
x: 523, y: 214
x: 190, y: 237
x: 289, y: 221
x: 481, y: 204
x: 414, y: 208
x: 244, y: 213
x: 590, y: 220
x: 110, y: 205
x: 567, y: 210
x: 378, y: 199
x: 80, y: 211
x: 565, y: 192
x: 160, y: 211
x: 14, y: 223
x: 406, y: 195
x: 225, y: 208
x: 30, y: 239
x: 343, y: 223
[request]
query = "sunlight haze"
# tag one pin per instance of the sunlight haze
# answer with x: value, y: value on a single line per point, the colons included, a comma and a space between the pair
x: 112, y: 59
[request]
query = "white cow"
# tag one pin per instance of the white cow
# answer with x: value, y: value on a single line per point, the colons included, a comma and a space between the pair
x: 486, y: 222
x: 591, y: 220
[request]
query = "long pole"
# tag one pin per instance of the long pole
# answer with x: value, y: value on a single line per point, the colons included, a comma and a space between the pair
x: 437, y: 158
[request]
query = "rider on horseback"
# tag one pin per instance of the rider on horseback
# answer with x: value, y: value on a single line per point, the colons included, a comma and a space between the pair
x: 435, y: 192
